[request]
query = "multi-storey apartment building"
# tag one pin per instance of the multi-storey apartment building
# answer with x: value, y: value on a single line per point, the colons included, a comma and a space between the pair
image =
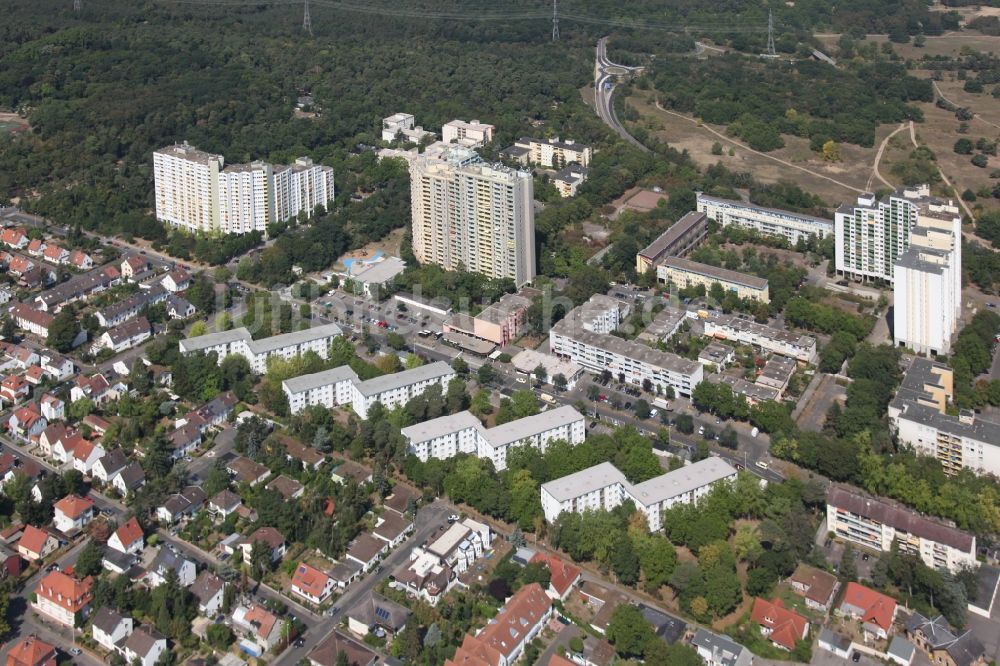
x: 927, y: 285
x: 472, y: 215
x: 686, y: 273
x: 549, y: 153
x: 767, y: 221
x: 401, y: 126
x: 257, y: 352
x: 584, y: 337
x: 604, y: 487
x: 471, y: 134
x: 919, y: 418
x: 197, y: 192
x: 341, y: 386
x: 447, y: 436
x: 745, y: 331
x: 878, y: 524
x: 871, y: 235
x: 676, y: 241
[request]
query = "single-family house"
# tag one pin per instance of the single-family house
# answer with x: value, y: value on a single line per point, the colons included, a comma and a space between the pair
x: 270, y: 537
x: 351, y: 470
x: 209, y: 590
x: 73, y: 513
x: 720, y: 650
x: 816, y: 586
x: 27, y: 422
x: 128, y: 479
x: 312, y: 584
x: 376, y: 612
x: 874, y: 610
x: 563, y: 576
x: 57, y: 367
x: 14, y: 389
x: 167, y: 560
x: 85, y: 456
x: 224, y: 503
x: 128, y: 538
x: 345, y: 572
x: 31, y: 651
x: 392, y: 528
x: 366, y: 550
x: 109, y: 628
x: 336, y: 649
x: 184, y: 440
x: 55, y: 254
x: 81, y: 260
x: 176, y: 280
x: 782, y: 626
x: 53, y: 408
x: 288, y: 487
x: 144, y: 646
x: 943, y: 646
x: 36, y: 543
x: 247, y: 471
x: 181, y: 505
x: 259, y: 627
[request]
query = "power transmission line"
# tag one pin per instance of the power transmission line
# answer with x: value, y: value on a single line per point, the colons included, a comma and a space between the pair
x: 771, y: 51
x: 555, y: 20
x: 77, y: 6
x: 307, y: 24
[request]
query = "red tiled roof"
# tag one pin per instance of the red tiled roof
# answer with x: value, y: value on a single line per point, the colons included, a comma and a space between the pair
x: 31, y: 651
x: 12, y: 236
x: 33, y: 539
x: 73, y: 506
x: 563, y: 574
x: 523, y: 611
x: 310, y: 580
x: 64, y: 591
x: 261, y: 619
x: 130, y: 532
x: 474, y: 652
x: 786, y: 626
x: 878, y: 608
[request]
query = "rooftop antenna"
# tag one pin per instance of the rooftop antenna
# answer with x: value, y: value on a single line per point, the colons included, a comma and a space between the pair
x: 771, y: 51
x: 307, y: 24
x: 555, y: 20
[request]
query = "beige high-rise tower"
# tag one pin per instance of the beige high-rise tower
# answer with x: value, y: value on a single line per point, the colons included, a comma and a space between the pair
x: 473, y: 215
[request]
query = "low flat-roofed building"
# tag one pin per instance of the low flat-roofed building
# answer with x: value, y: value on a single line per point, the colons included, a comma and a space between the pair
x: 528, y: 360
x: 754, y: 393
x: 717, y: 354
x: 678, y: 240
x: 745, y: 331
x: 605, y: 487
x: 686, y: 273
x: 371, y: 277
x: 878, y: 523
x: 499, y: 323
x: 666, y: 322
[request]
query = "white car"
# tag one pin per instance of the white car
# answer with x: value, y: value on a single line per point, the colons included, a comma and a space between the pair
x: 654, y: 412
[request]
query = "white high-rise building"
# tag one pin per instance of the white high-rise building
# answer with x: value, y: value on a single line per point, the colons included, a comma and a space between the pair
x: 872, y: 234
x: 927, y: 286
x: 472, y: 215
x: 194, y: 191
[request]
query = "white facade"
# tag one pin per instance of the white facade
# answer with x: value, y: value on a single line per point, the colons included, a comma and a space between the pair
x: 927, y: 286
x: 194, y: 191
x: 447, y: 436
x: 108, y: 639
x: 286, y: 346
x: 878, y: 524
x: 767, y: 221
x: 401, y: 126
x: 872, y: 234
x: 470, y: 134
x: 603, y: 487
x: 341, y: 386
x: 744, y: 331
x: 472, y: 215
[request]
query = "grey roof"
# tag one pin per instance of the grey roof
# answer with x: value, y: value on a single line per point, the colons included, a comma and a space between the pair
x: 122, y: 561
x: 380, y: 272
x: 167, y: 559
x: 515, y: 431
x: 679, y: 481
x: 129, y: 330
x: 898, y: 517
x: 555, y: 143
x: 133, y: 475
x: 812, y: 219
x: 112, y: 461
x: 762, y: 330
x: 966, y: 650
x: 318, y: 379
x: 344, y: 570
x: 143, y: 639
x: 727, y: 650
x: 226, y: 499
x: 756, y: 392
x: 571, y: 173
x: 901, y: 649
x: 678, y: 229
x: 915, y: 258
x: 633, y: 350
x: 106, y: 619
x: 206, y: 586
x: 834, y: 639
x: 378, y: 385
x: 584, y: 481
x: 134, y: 302
x: 716, y: 352
x: 377, y: 610
x: 715, y: 273
x: 76, y: 286
x: 263, y: 345
x: 444, y: 425
x: 664, y: 323
x: 667, y: 627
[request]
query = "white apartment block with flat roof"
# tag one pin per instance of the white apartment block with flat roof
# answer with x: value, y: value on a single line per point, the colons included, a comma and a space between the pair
x: 286, y: 346
x: 604, y: 487
x: 767, y: 221
x: 196, y: 192
x: 341, y: 386
x: 472, y: 215
x: 584, y: 337
x: 447, y: 436
x: 401, y: 126
x: 878, y: 524
x: 471, y: 134
x: 871, y: 235
x: 775, y: 340
x: 927, y: 286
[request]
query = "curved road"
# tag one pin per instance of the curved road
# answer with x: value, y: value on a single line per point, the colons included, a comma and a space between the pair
x: 605, y: 78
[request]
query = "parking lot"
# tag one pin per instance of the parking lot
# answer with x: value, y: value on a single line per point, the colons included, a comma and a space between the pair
x: 834, y: 551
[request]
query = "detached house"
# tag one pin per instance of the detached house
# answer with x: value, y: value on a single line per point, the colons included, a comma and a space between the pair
x: 144, y: 646
x: 818, y: 587
x: 167, y: 560
x: 209, y: 589
x: 62, y: 598
x: 85, y: 455
x: 109, y: 628
x: 55, y: 254
x: 258, y: 626
x: 53, y: 409
x: 14, y: 238
x: 270, y: 537
x: 129, y: 478
x: 73, y: 513
x: 27, y: 422
x: 176, y: 280
x: 14, y: 389
x: 875, y: 610
x: 128, y: 538
x: 181, y: 505
x: 81, y: 260
x: 936, y: 638
x: 108, y: 465
x: 36, y: 543
x: 782, y: 626
x: 31, y: 651
x: 224, y: 503
x: 312, y: 584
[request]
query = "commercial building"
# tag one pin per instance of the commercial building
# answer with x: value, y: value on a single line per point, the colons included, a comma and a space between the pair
x: 447, y: 436
x: 341, y: 386
x: 918, y: 416
x: 197, y: 192
x: 686, y: 273
x: 372, y: 276
x: 549, y: 153
x: 603, y: 487
x: 877, y: 524
x: 775, y: 340
x: 682, y: 236
x: 285, y: 346
x: 401, y: 126
x: 471, y: 134
x: 767, y: 221
x: 472, y: 215
x: 927, y: 285
x: 499, y: 323
x: 871, y: 235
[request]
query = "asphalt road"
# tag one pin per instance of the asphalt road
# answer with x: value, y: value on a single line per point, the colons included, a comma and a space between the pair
x: 605, y: 79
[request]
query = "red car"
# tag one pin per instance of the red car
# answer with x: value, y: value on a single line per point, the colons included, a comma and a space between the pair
x: 602, y: 398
